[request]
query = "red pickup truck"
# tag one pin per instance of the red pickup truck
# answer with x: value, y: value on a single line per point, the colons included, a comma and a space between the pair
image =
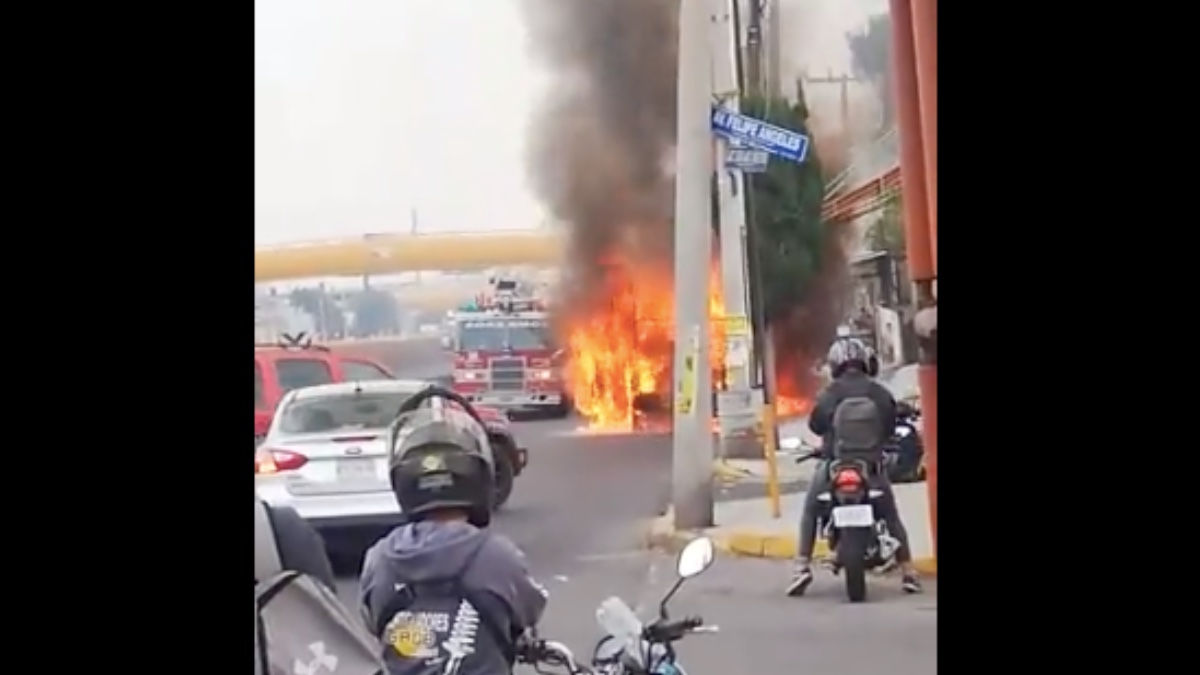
x: 281, y: 368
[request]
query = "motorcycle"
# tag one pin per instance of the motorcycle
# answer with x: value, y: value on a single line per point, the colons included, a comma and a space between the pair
x: 905, y: 452
x: 857, y: 535
x: 629, y: 647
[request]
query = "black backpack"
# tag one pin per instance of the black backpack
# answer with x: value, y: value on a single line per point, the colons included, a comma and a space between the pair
x: 857, y: 426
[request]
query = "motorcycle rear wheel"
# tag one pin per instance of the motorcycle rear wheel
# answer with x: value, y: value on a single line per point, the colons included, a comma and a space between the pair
x: 852, y: 558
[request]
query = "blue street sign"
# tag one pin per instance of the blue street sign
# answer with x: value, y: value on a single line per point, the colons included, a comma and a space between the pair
x: 778, y: 141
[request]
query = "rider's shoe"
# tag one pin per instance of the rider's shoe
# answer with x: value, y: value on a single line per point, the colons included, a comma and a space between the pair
x: 910, y: 583
x: 801, y: 579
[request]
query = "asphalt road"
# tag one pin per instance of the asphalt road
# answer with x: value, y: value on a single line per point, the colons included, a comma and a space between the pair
x: 578, y: 512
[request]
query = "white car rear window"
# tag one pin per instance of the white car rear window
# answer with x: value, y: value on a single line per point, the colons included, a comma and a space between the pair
x: 341, y: 412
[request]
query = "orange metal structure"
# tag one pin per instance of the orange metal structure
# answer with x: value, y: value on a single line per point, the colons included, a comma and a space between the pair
x: 388, y: 254
x: 914, y: 62
x: 871, y: 196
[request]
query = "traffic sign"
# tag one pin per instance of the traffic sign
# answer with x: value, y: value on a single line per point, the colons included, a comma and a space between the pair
x: 737, y: 324
x: 783, y: 143
x: 741, y: 157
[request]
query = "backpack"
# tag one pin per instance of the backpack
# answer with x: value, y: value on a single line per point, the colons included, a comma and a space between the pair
x: 300, y: 626
x: 857, y: 426
x: 433, y: 625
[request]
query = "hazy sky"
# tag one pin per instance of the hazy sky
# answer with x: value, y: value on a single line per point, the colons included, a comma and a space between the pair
x: 367, y: 109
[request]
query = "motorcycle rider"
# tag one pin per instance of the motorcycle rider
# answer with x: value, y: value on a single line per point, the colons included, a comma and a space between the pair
x: 442, y: 592
x: 851, y: 369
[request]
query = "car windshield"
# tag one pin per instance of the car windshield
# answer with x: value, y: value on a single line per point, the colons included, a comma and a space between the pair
x: 341, y: 412
x: 484, y: 336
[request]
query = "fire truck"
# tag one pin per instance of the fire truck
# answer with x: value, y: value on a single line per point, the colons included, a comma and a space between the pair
x: 504, y: 355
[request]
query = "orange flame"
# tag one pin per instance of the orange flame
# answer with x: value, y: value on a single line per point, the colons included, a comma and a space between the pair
x: 625, y: 347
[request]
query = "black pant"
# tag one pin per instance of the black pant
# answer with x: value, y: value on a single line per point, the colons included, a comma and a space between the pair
x: 885, y: 505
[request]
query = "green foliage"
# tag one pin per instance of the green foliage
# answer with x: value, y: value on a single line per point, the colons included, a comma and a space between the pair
x: 887, y: 233
x: 787, y: 210
x: 375, y: 312
x: 321, y: 307
x: 870, y: 54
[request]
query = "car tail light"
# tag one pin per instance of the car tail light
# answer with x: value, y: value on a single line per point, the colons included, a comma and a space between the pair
x: 268, y: 461
x: 847, y: 478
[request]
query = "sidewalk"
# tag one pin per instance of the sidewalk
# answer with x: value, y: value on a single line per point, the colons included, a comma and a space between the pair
x: 744, y: 527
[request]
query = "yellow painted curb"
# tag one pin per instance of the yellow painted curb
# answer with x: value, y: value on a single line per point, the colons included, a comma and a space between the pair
x: 752, y: 544
x: 728, y: 473
x: 783, y: 547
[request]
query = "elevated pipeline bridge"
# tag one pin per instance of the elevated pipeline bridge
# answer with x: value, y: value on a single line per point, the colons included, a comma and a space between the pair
x: 390, y: 254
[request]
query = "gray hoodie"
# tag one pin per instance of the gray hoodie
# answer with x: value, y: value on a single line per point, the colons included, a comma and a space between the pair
x: 439, y: 633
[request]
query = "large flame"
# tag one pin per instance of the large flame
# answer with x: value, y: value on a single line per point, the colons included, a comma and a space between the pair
x: 624, y: 347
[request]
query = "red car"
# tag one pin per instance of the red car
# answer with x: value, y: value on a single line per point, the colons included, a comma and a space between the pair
x: 295, y: 363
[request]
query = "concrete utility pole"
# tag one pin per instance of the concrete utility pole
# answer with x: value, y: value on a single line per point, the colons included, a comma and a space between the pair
x: 754, y: 37
x: 774, y: 50
x: 763, y: 347
x: 691, y: 440
x: 736, y: 410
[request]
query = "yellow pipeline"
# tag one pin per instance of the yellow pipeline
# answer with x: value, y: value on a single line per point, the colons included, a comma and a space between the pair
x: 406, y: 253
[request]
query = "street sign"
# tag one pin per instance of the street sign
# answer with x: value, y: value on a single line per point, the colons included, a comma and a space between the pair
x: 740, y: 157
x: 737, y: 324
x: 777, y: 141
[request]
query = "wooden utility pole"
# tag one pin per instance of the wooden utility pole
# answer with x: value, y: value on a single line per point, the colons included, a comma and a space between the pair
x: 842, y: 81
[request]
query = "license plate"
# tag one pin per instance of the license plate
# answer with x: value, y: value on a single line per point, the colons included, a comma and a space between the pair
x: 356, y: 469
x: 858, y: 515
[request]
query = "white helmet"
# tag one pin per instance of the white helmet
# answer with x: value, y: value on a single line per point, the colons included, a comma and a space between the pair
x: 846, y: 351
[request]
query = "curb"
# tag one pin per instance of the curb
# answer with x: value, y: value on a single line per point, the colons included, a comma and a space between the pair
x: 725, y: 472
x: 662, y: 535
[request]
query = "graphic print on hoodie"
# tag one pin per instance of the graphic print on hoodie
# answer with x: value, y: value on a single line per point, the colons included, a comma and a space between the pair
x: 439, y: 631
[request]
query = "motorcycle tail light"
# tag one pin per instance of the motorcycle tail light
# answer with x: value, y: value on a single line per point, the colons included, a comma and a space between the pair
x: 847, y: 478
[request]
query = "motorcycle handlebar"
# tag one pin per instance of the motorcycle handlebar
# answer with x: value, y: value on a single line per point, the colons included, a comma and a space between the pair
x: 671, y: 631
x: 550, y: 653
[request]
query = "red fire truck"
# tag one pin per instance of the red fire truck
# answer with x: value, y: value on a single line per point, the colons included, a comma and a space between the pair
x: 504, y: 356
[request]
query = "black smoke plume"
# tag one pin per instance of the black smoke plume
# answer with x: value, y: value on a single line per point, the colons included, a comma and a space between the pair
x: 606, y: 133
x: 600, y: 159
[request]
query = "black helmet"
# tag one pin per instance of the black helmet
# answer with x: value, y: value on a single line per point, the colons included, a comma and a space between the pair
x: 439, y: 458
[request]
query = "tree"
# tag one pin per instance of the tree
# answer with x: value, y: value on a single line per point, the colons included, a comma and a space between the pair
x: 323, y: 309
x: 375, y: 312
x: 887, y: 233
x: 870, y: 55
x: 787, y: 213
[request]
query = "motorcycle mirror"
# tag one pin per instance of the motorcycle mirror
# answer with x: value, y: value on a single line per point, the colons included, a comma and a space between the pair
x: 694, y: 558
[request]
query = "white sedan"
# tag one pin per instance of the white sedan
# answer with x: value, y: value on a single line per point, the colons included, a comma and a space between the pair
x: 326, y: 453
